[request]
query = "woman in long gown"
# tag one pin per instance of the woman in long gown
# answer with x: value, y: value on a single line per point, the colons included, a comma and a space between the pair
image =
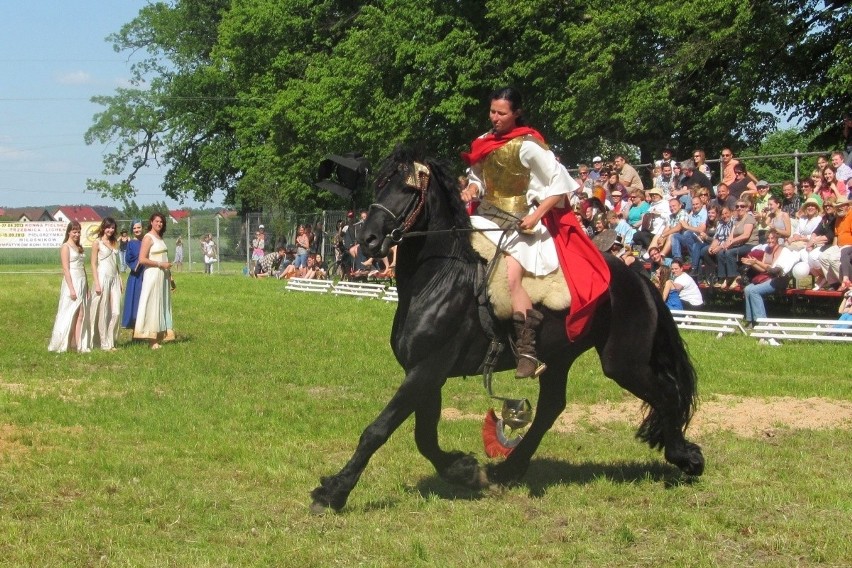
x: 106, y: 300
x: 134, y: 279
x: 154, y: 318
x: 71, y: 328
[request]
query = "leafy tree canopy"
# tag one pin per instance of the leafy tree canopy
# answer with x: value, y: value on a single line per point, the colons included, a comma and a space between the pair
x: 248, y: 96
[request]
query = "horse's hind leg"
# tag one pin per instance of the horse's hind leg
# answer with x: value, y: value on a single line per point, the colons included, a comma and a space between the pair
x: 550, y: 404
x: 670, y: 397
x: 455, y: 467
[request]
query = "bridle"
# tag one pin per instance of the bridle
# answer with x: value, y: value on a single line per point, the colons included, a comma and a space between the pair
x: 417, y: 179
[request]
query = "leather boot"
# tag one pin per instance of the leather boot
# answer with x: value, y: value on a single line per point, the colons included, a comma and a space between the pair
x: 525, y: 330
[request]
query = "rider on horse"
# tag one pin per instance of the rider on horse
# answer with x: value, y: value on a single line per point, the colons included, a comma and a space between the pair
x: 513, y: 171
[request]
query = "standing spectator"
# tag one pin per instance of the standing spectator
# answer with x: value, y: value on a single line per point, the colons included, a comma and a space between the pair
x: 841, y: 170
x: 627, y: 174
x: 71, y: 327
x: 743, y: 238
x: 687, y: 288
x: 701, y: 165
x: 303, y: 245
x: 106, y: 300
x: 208, y: 247
x: 258, y: 244
x: 318, y: 241
x: 354, y: 248
x: 179, y: 254
x: 154, y: 319
x: 123, y: 239
x: 728, y: 163
x: 830, y: 258
x: 772, y: 276
x: 666, y: 158
x: 134, y: 279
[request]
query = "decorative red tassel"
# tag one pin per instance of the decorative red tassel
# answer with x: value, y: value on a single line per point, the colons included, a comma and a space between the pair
x: 496, y: 444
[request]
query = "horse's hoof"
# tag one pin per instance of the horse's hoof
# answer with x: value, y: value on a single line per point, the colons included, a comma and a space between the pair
x: 690, y: 461
x: 318, y: 508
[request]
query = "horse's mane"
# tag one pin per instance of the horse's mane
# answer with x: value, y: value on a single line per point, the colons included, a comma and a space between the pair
x: 441, y: 176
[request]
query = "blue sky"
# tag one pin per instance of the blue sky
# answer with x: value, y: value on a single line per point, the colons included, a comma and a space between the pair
x: 53, y: 59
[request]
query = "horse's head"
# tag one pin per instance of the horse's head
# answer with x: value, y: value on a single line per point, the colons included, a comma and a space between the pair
x: 412, y: 193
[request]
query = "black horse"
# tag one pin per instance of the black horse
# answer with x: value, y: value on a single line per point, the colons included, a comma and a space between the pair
x: 437, y: 334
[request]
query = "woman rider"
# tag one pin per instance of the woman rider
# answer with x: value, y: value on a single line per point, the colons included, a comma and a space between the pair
x: 513, y: 170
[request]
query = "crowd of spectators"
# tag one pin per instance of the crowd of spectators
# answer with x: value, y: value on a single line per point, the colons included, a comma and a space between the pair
x: 720, y: 232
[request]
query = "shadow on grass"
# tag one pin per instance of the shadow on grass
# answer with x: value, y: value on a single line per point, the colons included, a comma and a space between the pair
x: 545, y: 473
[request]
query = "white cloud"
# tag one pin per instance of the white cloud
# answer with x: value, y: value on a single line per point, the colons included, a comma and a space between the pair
x: 74, y: 78
x: 10, y: 154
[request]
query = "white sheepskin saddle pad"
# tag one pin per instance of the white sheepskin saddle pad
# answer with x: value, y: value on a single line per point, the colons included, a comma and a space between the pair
x: 550, y: 291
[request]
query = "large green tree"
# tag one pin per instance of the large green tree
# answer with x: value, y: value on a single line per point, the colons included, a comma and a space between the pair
x: 247, y: 96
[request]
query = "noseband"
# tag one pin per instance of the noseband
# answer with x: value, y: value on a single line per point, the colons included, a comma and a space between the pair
x: 418, y: 179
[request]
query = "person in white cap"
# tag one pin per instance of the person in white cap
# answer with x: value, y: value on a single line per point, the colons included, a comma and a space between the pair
x: 597, y: 166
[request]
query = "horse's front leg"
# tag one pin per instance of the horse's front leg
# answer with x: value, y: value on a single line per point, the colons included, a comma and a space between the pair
x: 551, y: 403
x: 455, y: 467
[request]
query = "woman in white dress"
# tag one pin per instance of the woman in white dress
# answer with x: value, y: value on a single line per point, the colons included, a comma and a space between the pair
x: 106, y: 300
x: 71, y: 328
x: 154, y: 318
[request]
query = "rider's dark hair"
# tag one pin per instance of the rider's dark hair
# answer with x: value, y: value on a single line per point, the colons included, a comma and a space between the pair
x: 516, y: 101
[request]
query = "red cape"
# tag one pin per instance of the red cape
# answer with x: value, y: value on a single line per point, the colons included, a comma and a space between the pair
x: 583, y: 265
x: 484, y: 145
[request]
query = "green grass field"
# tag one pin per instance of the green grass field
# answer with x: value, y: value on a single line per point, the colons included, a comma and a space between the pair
x: 203, y: 453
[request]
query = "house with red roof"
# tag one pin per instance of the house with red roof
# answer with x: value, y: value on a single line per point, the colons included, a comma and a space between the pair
x: 25, y: 214
x: 79, y: 213
x: 179, y: 215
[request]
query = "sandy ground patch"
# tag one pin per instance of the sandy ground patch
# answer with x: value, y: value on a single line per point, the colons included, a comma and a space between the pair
x: 744, y: 416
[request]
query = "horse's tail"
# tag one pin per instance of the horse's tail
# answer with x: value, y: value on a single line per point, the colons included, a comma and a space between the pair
x: 670, y: 361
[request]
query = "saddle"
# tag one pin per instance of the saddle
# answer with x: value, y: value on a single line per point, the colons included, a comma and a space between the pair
x: 550, y: 291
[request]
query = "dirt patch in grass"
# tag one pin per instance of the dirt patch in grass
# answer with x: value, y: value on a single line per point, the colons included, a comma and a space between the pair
x: 9, y: 444
x: 747, y: 417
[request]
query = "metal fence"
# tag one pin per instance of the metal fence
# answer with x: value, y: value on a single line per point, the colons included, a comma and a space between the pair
x: 232, y: 237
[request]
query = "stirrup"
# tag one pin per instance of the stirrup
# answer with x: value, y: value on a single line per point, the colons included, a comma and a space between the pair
x: 540, y: 367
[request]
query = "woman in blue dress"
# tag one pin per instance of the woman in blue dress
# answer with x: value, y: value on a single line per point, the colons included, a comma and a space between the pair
x: 665, y: 285
x: 134, y: 279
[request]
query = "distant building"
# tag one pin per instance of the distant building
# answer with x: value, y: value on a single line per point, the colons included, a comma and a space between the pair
x: 178, y: 215
x: 108, y: 211
x: 25, y: 214
x: 227, y: 213
x: 79, y: 213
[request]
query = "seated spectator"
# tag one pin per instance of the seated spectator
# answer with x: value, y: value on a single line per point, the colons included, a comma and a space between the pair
x: 808, y: 191
x: 677, y: 217
x: 665, y: 285
x: 312, y: 270
x: 724, y: 197
x: 830, y: 257
x: 687, y: 288
x: 655, y: 261
x: 743, y: 238
x: 654, y: 221
x: 790, y: 203
x: 741, y: 183
x: 821, y: 239
x: 724, y: 226
x: 772, y: 276
x: 845, y: 269
x: 810, y: 216
x: 268, y: 264
x: 845, y: 311
x: 831, y: 187
x: 688, y: 237
x: 777, y: 219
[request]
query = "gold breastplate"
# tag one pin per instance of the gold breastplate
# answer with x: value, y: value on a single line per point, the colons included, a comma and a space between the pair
x: 506, y: 178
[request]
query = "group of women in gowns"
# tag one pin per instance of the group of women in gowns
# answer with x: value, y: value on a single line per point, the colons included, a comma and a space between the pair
x: 90, y: 318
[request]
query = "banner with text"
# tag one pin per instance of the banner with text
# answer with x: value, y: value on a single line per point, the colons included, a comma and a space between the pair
x: 42, y: 234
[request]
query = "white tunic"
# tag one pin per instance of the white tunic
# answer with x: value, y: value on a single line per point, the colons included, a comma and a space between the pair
x: 536, y: 252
